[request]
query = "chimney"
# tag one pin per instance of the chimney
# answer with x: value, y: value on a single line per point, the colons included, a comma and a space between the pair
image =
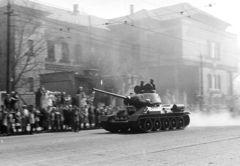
x: 75, y: 9
x: 131, y: 9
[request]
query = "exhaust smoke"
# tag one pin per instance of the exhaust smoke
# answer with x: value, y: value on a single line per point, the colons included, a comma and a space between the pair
x: 225, y: 118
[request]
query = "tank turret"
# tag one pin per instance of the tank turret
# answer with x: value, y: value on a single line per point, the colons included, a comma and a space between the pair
x: 141, y: 99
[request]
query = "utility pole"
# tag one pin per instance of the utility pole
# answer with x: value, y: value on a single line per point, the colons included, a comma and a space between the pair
x: 8, y: 63
x: 201, y: 84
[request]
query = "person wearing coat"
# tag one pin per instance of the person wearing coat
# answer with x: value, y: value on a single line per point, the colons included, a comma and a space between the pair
x: 7, y: 101
x: 18, y: 120
x: 31, y: 121
x: 25, y: 118
x: 81, y: 98
x: 84, y: 115
x: 76, y: 120
x: 4, y: 121
x: 8, y: 121
x: 91, y: 115
x: 97, y: 112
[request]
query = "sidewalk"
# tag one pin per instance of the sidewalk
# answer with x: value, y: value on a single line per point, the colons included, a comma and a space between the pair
x: 40, y: 131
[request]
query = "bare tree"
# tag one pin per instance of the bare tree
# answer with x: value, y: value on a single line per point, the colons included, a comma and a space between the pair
x: 29, y: 46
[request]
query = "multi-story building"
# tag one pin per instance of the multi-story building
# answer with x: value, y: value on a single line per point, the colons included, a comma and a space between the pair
x: 186, y: 51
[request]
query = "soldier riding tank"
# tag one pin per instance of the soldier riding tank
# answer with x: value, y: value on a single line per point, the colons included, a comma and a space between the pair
x: 143, y: 112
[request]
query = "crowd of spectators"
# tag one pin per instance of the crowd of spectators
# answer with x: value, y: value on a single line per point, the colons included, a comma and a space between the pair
x: 56, y: 112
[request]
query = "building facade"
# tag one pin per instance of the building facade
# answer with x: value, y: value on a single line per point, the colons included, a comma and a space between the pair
x: 188, y: 53
x: 47, y: 40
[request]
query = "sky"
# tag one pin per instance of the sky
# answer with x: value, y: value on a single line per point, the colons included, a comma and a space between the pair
x: 227, y: 10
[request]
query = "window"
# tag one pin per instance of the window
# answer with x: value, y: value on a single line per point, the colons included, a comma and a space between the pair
x: 30, y: 83
x: 209, y: 81
x: 214, y: 50
x: 65, y: 52
x: 214, y: 81
x: 78, y: 53
x: 30, y: 47
x: 50, y: 49
x: 219, y: 82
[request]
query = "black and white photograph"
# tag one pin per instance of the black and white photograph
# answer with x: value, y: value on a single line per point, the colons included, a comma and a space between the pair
x: 119, y: 83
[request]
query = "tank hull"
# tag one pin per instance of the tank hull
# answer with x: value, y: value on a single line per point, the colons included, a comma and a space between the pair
x: 145, y: 123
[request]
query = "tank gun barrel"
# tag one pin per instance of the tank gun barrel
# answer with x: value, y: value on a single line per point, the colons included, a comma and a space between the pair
x: 111, y: 94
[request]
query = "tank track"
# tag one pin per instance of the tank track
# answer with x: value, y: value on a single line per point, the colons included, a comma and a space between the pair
x: 155, y: 124
x: 146, y: 124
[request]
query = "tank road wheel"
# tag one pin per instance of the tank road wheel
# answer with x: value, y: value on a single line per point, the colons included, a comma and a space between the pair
x: 180, y: 123
x: 186, y: 119
x: 157, y: 125
x: 140, y: 123
x: 148, y: 125
x: 173, y: 123
x: 166, y: 124
x: 138, y: 126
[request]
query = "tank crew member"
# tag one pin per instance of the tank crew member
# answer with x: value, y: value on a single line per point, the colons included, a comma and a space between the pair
x: 174, y: 108
x: 152, y: 83
x: 142, y: 86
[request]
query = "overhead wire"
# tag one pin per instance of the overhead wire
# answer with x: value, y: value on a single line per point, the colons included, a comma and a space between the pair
x: 191, y: 9
x: 180, y: 38
x: 149, y: 49
x: 89, y: 33
x: 177, y: 38
x: 162, y: 58
x: 170, y: 59
x: 67, y: 27
x: 100, y: 46
x: 134, y: 27
x: 186, y: 11
x: 75, y: 34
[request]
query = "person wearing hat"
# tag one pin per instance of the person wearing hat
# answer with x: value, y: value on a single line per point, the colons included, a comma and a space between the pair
x: 142, y: 86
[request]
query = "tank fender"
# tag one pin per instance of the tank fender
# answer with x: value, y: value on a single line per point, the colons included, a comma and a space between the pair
x: 133, y: 118
x: 139, y: 112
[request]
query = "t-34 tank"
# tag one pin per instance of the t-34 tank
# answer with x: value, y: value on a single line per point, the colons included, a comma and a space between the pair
x: 143, y: 112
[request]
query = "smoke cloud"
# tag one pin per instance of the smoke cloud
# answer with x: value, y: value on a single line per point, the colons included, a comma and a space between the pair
x: 199, y: 119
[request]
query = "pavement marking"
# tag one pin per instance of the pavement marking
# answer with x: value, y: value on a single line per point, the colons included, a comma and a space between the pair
x: 2, y: 141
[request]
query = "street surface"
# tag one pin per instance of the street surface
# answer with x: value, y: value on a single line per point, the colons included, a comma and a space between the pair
x: 214, y: 146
